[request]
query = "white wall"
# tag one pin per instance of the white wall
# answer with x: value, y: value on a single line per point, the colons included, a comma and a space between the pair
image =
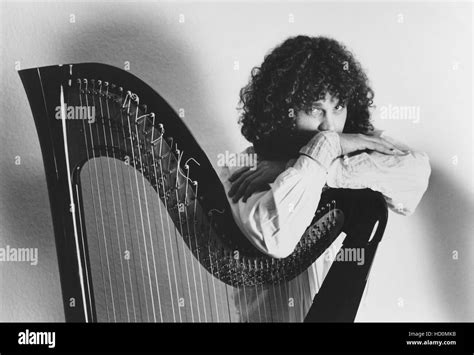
x: 424, y: 61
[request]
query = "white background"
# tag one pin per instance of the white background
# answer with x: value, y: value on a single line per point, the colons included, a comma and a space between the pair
x: 421, y: 58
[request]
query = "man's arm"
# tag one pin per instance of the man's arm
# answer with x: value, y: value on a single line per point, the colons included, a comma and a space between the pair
x: 274, y: 220
x: 402, y: 179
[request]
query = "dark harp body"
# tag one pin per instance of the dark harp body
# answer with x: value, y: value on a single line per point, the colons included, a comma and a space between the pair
x: 158, y: 147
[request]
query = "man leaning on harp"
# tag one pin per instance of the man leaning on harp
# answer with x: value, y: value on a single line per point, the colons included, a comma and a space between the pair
x: 306, y: 112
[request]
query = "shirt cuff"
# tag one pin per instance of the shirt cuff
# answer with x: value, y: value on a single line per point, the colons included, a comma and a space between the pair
x: 324, y: 147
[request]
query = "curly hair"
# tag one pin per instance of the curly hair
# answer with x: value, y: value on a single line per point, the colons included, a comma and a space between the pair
x: 292, y: 77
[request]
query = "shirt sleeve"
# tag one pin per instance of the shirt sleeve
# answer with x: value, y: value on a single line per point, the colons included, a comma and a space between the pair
x: 275, y: 220
x: 401, y: 179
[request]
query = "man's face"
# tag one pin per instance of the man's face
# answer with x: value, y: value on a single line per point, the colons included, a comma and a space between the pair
x: 327, y: 115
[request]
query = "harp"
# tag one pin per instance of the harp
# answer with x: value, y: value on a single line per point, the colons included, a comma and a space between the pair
x: 142, y: 225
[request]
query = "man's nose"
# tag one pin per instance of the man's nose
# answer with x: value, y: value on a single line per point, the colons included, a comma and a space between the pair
x: 327, y: 123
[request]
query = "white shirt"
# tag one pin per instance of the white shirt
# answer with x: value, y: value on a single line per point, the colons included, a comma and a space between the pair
x: 275, y: 220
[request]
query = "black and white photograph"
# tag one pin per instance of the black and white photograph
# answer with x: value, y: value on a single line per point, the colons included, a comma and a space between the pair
x: 244, y: 161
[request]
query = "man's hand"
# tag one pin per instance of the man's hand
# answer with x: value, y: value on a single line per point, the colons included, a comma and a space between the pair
x: 351, y: 142
x: 245, y: 182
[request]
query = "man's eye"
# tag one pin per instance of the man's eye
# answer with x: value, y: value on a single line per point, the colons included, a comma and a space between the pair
x: 340, y: 107
x: 316, y: 111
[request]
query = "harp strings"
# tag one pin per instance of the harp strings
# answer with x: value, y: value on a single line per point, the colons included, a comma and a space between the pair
x: 186, y: 258
x: 214, y: 266
x: 153, y: 142
x: 130, y: 222
x: 184, y: 281
x: 127, y: 104
x: 110, y: 183
x: 92, y: 149
x: 109, y: 275
x: 181, y: 256
x: 183, y: 207
x: 139, y: 144
x: 121, y: 253
x: 189, y: 233
x: 104, y: 212
x: 164, y: 178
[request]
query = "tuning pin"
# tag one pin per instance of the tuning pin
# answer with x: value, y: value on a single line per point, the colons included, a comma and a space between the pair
x: 139, y: 118
x: 151, y: 116
x: 79, y: 82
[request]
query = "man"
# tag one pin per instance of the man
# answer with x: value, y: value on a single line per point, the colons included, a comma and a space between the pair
x: 306, y: 112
